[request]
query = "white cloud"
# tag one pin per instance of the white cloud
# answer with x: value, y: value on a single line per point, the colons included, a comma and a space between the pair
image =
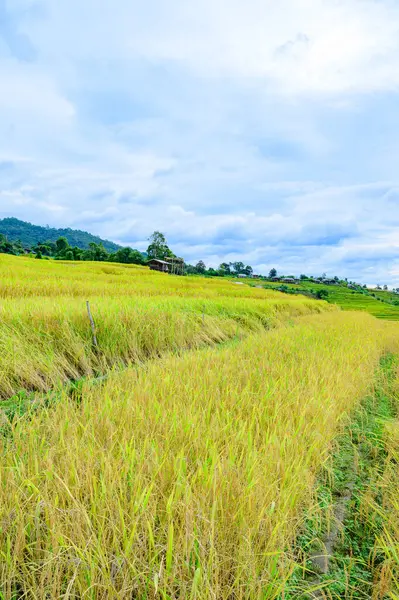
x: 27, y: 90
x: 263, y: 130
x: 300, y: 45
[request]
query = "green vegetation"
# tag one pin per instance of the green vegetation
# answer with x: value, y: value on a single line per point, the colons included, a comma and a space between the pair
x: 381, y: 304
x: 380, y: 505
x: 343, y: 490
x: 61, y: 250
x: 29, y: 235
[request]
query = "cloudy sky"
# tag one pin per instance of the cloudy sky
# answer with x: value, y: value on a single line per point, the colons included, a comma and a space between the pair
x: 260, y: 130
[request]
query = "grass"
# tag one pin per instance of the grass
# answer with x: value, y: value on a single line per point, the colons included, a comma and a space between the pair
x: 381, y: 506
x: 23, y: 277
x: 379, y: 306
x: 341, y: 511
x: 187, y: 478
x: 45, y: 335
x: 190, y: 470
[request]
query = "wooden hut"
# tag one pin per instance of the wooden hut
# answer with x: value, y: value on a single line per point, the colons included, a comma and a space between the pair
x: 173, y: 266
x: 156, y: 264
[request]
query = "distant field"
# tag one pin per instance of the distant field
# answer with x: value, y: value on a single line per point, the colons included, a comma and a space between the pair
x: 352, y: 300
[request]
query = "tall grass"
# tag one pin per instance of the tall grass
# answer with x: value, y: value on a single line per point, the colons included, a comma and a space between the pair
x: 383, y: 508
x: 187, y: 478
x: 45, y: 337
x: 21, y: 277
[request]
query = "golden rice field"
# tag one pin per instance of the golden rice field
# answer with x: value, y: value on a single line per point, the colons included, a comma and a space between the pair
x: 189, y: 472
x: 45, y: 335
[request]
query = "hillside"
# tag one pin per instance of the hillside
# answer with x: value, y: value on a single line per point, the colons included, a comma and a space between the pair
x: 30, y: 235
x: 380, y: 303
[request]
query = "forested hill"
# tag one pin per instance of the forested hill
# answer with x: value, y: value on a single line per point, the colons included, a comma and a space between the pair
x: 30, y: 235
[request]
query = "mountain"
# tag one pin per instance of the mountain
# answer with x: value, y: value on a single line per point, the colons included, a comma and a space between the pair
x: 30, y: 235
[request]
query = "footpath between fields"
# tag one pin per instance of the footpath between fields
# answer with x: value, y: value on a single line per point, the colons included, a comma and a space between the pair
x: 336, y: 555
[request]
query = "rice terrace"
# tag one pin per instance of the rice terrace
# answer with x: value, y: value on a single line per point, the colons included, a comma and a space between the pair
x: 199, y: 439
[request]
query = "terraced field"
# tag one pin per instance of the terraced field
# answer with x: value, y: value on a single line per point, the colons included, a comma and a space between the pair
x: 349, y: 299
x: 196, y: 451
x: 45, y: 334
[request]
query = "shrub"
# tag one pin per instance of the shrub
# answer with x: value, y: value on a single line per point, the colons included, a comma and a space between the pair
x: 322, y: 294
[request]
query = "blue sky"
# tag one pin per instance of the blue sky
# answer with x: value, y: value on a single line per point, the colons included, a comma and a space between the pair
x: 261, y: 131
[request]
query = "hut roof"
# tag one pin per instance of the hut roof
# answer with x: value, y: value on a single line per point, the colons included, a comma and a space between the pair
x: 158, y: 260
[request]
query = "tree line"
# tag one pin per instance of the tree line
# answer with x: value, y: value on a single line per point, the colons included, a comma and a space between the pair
x: 29, y: 235
x: 157, y: 249
x: 62, y: 250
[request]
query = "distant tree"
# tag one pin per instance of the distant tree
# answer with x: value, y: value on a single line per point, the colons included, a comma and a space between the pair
x: 61, y: 244
x: 248, y: 271
x: 77, y: 253
x: 200, y: 267
x: 7, y: 247
x: 43, y: 248
x: 303, y: 276
x: 52, y: 246
x: 39, y: 255
x: 189, y: 269
x: 224, y: 269
x: 272, y: 273
x: 336, y: 278
x: 385, y: 287
x: 98, y: 252
x: 30, y: 235
x: 69, y: 255
x: 127, y: 256
x: 238, y: 267
x: 158, y: 247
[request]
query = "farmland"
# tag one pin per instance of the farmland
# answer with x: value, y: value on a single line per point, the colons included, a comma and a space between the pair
x: 201, y: 465
x: 45, y: 337
x: 380, y: 304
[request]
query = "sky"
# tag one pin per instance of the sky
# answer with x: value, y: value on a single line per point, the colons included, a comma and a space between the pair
x: 260, y: 131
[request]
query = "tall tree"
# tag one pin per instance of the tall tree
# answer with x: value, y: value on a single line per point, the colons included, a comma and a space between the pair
x: 248, y: 270
x: 238, y: 267
x: 158, y: 247
x: 62, y: 244
x: 224, y: 269
x: 272, y: 273
x: 200, y: 267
